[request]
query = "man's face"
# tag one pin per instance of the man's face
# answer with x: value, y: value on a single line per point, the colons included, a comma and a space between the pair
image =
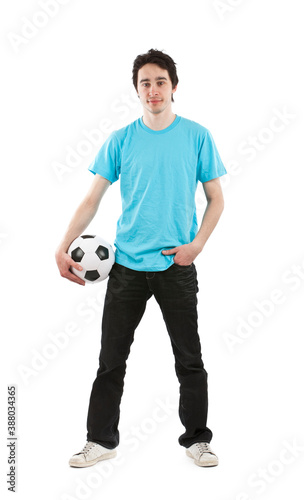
x: 154, y: 88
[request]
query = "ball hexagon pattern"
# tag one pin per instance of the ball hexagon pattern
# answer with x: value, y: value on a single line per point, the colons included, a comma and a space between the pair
x: 95, y: 255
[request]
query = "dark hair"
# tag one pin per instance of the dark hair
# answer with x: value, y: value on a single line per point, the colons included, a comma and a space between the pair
x: 155, y: 57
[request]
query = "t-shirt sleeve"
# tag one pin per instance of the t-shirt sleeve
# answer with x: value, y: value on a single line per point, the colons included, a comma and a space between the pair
x: 107, y: 161
x: 210, y: 165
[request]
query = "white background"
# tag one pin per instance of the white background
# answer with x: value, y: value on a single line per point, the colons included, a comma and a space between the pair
x: 239, y: 65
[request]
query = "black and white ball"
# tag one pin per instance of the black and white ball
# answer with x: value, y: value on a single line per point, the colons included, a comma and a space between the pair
x: 95, y: 255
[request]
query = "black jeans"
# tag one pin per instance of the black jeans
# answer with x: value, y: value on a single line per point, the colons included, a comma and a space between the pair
x: 175, y: 291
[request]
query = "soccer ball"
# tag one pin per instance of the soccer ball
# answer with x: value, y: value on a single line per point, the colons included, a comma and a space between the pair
x: 95, y: 255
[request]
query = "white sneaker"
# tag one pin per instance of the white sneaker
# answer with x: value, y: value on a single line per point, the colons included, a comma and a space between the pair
x: 202, y: 454
x: 90, y: 455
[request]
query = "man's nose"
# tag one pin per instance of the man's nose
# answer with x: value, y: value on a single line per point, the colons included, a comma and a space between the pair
x: 153, y: 90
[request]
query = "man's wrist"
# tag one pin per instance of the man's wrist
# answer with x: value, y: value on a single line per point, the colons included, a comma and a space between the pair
x: 197, y: 245
x: 63, y: 248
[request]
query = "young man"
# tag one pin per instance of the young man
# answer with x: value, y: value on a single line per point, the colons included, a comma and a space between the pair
x: 159, y: 158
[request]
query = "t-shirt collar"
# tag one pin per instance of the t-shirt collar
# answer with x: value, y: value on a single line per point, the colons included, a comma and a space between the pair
x: 163, y: 131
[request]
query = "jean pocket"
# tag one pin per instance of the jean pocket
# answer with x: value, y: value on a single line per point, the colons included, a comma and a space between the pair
x: 183, y: 267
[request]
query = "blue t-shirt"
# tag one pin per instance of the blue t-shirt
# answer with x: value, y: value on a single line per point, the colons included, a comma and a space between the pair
x: 159, y: 171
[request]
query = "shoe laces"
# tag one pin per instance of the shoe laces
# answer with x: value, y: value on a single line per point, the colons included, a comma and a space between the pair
x: 204, y: 448
x: 85, y: 450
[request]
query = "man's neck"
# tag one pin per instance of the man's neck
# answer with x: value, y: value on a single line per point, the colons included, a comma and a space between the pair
x: 158, y: 121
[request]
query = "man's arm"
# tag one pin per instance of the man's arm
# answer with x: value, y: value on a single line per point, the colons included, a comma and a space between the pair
x: 214, y: 209
x: 81, y: 219
x: 185, y: 254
